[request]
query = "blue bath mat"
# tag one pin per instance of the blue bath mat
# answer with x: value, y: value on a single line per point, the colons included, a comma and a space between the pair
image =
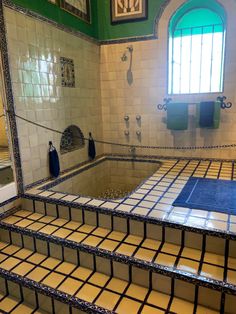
x: 208, y: 194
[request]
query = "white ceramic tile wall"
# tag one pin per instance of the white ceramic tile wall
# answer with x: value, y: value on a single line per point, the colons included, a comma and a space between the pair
x: 35, y: 49
x: 150, y: 87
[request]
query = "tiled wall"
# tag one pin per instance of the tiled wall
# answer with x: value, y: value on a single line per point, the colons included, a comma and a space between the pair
x: 35, y: 49
x: 150, y: 87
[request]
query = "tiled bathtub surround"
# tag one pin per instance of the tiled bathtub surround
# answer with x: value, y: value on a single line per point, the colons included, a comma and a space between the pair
x: 149, y: 87
x: 35, y: 49
x: 111, y: 178
x: 154, y: 198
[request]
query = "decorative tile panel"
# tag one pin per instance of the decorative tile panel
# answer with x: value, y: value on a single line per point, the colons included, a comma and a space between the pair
x: 67, y: 72
x: 79, y: 8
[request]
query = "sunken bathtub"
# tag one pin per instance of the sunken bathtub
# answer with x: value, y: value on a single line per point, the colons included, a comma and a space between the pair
x: 106, y: 178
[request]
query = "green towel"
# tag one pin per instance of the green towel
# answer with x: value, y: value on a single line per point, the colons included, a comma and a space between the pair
x: 216, y: 117
x: 177, y: 116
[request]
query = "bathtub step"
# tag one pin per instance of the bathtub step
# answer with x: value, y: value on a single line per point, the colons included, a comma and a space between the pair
x: 86, y: 288
x: 182, y: 260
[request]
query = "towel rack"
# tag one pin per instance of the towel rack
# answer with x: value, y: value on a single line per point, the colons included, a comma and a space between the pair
x: 221, y: 99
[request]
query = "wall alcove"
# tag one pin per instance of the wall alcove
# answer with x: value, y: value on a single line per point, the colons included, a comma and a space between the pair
x: 72, y: 139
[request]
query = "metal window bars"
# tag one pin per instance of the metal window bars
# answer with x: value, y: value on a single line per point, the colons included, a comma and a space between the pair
x: 196, y: 58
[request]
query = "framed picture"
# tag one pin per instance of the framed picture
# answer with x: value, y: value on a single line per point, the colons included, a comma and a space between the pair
x: 123, y: 11
x: 53, y: 1
x: 67, y: 72
x: 79, y: 8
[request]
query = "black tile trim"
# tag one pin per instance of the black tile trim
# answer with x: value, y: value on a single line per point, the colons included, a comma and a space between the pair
x: 57, y: 295
x: 212, y: 232
x: 164, y: 270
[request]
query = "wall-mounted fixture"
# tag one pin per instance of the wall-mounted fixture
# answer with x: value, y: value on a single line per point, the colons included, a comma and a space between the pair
x: 124, y: 57
x: 126, y: 118
x: 138, y: 117
x: 126, y: 132
x: 138, y: 133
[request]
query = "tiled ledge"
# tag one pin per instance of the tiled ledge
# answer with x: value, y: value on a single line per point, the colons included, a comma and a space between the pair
x: 152, y: 200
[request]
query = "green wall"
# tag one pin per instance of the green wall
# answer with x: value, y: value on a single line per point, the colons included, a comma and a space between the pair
x: 101, y: 27
x: 132, y: 29
x: 53, y: 12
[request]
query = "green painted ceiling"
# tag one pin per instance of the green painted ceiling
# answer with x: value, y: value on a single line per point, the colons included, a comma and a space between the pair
x: 100, y: 27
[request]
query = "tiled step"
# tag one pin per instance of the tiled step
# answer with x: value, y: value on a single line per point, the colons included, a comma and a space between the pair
x: 174, y: 253
x: 13, y: 296
x: 93, y: 288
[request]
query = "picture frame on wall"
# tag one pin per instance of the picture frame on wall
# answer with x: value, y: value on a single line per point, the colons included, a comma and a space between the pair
x: 79, y: 8
x: 53, y: 1
x: 124, y: 11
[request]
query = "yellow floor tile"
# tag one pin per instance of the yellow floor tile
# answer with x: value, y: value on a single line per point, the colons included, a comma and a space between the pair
x: 59, y: 222
x: 72, y: 225
x: 212, y: 272
x: 214, y: 259
x: 23, y: 253
x: 86, y: 228
x: 171, y: 248
x: 50, y: 263
x: 231, y: 277
x: 11, y: 220
x: 107, y: 300
x: 11, y: 249
x: 66, y: 268
x: 126, y: 249
x: 53, y: 280
x: 188, y: 265
x: 70, y: 286
x: 128, y: 304
x: 82, y: 273
x: 159, y: 299
x: 23, y: 309
x: 36, y: 258
x: 109, y: 245
x: 77, y: 237
x: 131, y: 239
x: 186, y: 307
x: 192, y: 253
x: 9, y: 263
x: 24, y: 223
x: 151, y: 244
x: 117, y: 285
x: 102, y: 232
x: 23, y: 268
x: 38, y: 274
x: 62, y: 233
x: 166, y: 260
x: 7, y: 304
x: 151, y: 310
x: 23, y: 213
x: 49, y: 229
x: 36, y: 226
x: 92, y: 241
x: 137, y: 292
x: 116, y: 235
x: 99, y: 279
x: 35, y: 216
x: 88, y: 293
x: 47, y: 219
x: 146, y: 255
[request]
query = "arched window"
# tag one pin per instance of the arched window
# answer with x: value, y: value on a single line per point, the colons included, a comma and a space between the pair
x: 196, y: 48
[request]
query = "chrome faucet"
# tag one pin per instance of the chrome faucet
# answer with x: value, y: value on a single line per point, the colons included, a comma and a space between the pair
x: 132, y: 150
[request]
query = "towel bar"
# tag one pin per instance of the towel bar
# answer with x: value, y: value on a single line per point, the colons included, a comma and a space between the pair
x: 222, y: 100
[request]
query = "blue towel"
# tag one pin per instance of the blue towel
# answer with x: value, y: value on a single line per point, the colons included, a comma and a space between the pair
x: 54, y: 164
x: 91, y: 149
x: 207, y: 111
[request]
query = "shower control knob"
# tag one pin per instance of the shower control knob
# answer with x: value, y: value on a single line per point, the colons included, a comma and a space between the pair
x: 126, y: 118
x: 138, y: 117
x: 138, y: 133
x: 126, y: 133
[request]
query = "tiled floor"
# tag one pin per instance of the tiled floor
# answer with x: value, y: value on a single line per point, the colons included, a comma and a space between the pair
x: 214, y: 266
x: 154, y: 198
x: 107, y: 292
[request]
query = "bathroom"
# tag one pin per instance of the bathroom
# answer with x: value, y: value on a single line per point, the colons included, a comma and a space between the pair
x: 99, y: 81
